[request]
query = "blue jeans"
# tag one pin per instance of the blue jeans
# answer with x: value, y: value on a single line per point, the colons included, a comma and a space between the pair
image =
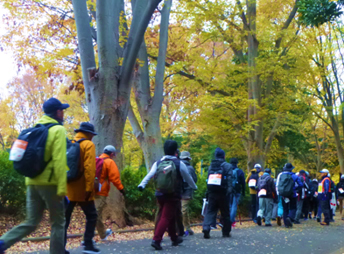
x: 234, y: 205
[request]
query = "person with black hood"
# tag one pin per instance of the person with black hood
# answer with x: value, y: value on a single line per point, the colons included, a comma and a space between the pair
x: 314, y: 199
x: 266, y: 194
x: 187, y: 193
x: 340, y: 195
x: 219, y: 185
x: 301, y: 195
x: 286, y: 186
x: 239, y: 187
x: 169, y: 173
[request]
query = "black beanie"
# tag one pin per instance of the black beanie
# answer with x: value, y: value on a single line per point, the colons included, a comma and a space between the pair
x: 219, y: 153
x: 170, y: 147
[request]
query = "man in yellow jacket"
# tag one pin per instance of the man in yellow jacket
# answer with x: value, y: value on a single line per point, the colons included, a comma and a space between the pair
x: 48, y: 189
x: 81, y: 190
x: 109, y: 174
x: 252, y: 181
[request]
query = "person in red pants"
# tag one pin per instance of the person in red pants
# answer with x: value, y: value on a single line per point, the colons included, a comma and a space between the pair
x: 169, y: 173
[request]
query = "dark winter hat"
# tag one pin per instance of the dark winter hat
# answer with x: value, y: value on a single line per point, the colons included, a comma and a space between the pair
x: 302, y: 172
x: 267, y: 170
x: 52, y: 105
x: 288, y: 167
x: 234, y: 161
x: 170, y: 147
x: 219, y: 153
x: 86, y: 127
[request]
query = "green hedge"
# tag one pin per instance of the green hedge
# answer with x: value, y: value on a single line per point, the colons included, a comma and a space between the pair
x: 12, y: 187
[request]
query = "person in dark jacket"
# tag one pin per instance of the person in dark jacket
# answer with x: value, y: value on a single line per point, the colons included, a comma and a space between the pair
x: 301, y: 195
x: 168, y: 202
x: 218, y: 193
x: 289, y: 203
x: 266, y: 194
x: 314, y: 204
x: 187, y: 193
x: 340, y: 195
x: 324, y: 196
x: 238, y: 189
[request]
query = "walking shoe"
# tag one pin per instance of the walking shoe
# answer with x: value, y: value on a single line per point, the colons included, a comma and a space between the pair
x: 289, y: 223
x: 156, y: 245
x: 332, y: 220
x: 90, y: 250
x: 107, y: 233
x: 297, y: 222
x: 318, y: 219
x: 220, y: 225
x: 325, y: 224
x: 255, y: 221
x: 310, y: 216
x: 190, y: 232
x: 213, y: 227
x: 279, y: 221
x: 206, y: 234
x: 66, y: 252
x: 177, y: 242
x: 268, y: 225
x: 259, y: 221
x: 233, y: 224
x: 186, y: 233
x: 226, y: 235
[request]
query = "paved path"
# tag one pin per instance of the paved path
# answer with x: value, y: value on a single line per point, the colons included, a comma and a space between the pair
x: 309, y: 238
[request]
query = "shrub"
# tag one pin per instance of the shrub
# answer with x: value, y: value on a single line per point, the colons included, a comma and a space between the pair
x: 12, y: 186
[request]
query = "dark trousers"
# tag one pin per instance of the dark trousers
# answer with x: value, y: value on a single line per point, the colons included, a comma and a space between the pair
x: 325, y: 208
x: 167, y: 218
x: 289, y: 209
x: 179, y: 219
x: 217, y: 202
x: 314, y: 206
x: 90, y: 211
x: 305, y: 208
x: 254, y: 206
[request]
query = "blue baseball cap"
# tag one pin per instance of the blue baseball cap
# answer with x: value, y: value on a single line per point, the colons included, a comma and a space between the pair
x: 52, y: 105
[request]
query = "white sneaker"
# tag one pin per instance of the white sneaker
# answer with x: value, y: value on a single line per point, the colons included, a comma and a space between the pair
x: 107, y: 232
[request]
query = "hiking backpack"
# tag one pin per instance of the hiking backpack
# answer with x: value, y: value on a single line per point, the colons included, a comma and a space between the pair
x: 73, y: 160
x: 253, y: 181
x: 286, y: 185
x: 99, y: 170
x: 216, y: 179
x: 340, y: 188
x: 263, y: 183
x: 166, y: 177
x: 27, y: 152
x: 235, y: 181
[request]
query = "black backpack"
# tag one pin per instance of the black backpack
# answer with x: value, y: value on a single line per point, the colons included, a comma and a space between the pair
x: 340, y: 185
x: 27, y: 152
x: 263, y: 183
x: 217, y: 181
x: 73, y: 160
x: 286, y: 185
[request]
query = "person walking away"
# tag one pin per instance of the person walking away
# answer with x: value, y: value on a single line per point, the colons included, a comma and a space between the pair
x: 169, y: 173
x: 266, y: 194
x: 286, y: 186
x: 252, y: 181
x: 46, y: 190
x: 333, y: 201
x: 108, y: 173
x: 324, y: 196
x: 301, y: 195
x: 239, y: 187
x: 309, y: 194
x: 187, y: 193
x: 340, y: 195
x: 219, y: 189
x: 81, y: 191
x: 314, y: 199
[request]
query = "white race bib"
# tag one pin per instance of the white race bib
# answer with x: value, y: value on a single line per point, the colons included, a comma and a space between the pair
x: 18, y: 150
x: 252, y: 183
x: 262, y: 192
x: 215, y: 179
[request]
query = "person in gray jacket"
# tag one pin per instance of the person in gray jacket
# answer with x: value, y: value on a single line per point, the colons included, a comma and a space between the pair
x: 168, y: 202
x: 187, y: 193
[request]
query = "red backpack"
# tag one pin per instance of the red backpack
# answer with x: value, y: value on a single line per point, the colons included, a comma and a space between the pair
x: 99, y: 170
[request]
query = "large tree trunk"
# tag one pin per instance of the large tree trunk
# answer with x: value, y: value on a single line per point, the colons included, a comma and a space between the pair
x: 339, y: 147
x: 108, y: 89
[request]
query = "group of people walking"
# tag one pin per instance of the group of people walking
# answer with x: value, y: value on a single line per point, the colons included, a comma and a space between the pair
x: 291, y: 196
x: 54, y: 191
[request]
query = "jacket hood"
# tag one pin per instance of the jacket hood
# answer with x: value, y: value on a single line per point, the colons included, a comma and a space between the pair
x: 46, y: 119
x: 81, y: 135
x: 254, y: 170
x: 217, y: 163
x: 235, y: 165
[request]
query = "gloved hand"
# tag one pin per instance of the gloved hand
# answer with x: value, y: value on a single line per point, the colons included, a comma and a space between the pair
x: 123, y: 192
x: 140, y: 188
x: 88, y: 195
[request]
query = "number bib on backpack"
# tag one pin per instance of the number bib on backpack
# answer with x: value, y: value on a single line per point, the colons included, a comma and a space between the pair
x: 18, y: 150
x: 262, y: 192
x: 252, y: 183
x: 215, y: 179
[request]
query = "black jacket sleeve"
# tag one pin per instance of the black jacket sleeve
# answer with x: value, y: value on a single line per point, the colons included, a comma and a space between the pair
x: 229, y: 171
x: 242, y: 181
